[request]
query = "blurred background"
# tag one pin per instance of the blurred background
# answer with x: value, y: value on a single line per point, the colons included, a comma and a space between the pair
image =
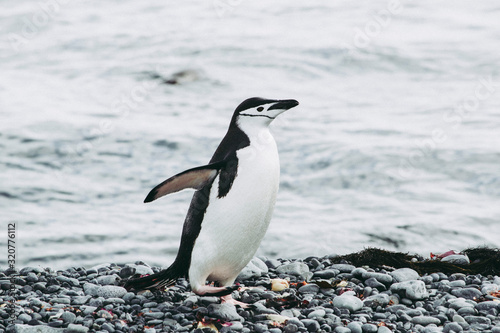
x: 395, y: 143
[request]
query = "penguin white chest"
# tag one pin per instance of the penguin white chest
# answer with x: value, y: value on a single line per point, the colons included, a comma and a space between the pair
x: 234, y: 225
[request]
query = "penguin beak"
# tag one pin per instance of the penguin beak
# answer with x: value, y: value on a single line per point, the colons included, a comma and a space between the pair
x: 284, y: 104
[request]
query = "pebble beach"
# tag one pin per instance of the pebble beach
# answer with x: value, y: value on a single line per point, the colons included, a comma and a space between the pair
x: 316, y: 294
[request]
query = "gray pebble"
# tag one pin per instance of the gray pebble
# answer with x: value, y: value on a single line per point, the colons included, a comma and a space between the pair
x: 340, y: 329
x: 414, y: 289
x: 355, y: 327
x: 294, y: 268
x: 347, y: 301
x: 457, y: 259
x: 79, y: 300
x: 140, y: 269
x: 311, y: 325
x: 383, y: 329
x: 224, y: 311
x: 68, y: 317
x: 309, y: 289
x: 316, y: 314
x: 468, y: 293
x: 90, y: 289
x: 487, y: 305
x: 72, y: 328
x: 380, y: 277
x: 343, y: 268
x: 24, y: 317
x: 452, y: 327
x: 404, y: 274
x: 477, y: 320
x: 376, y: 300
x: 369, y: 328
x: 109, y: 291
x: 105, y: 280
x: 425, y: 320
x: 326, y: 274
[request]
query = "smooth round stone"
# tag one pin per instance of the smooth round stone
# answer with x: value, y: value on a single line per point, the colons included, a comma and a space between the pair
x: 376, y: 300
x: 60, y: 300
x: 414, y: 289
x: 358, y: 272
x: 369, y: 328
x: 383, y: 329
x: 139, y: 269
x: 254, y: 269
x: 477, y: 320
x: 294, y: 268
x: 425, y: 320
x: 311, y: 325
x: 457, y: 259
x: 349, y: 302
x: 73, y: 328
x: 452, y: 327
x: 340, y: 329
x: 316, y: 314
x: 224, y: 311
x: 380, y: 277
x: 290, y: 328
x: 355, y: 327
x: 459, y: 303
x: 80, y: 300
x: 110, y: 291
x: 467, y: 293
x: 466, y: 311
x: 374, y: 283
x: 404, y: 274
x: 487, y: 305
x: 457, y: 284
x: 458, y: 319
x: 326, y: 274
x: 90, y: 289
x: 343, y: 268
x: 105, y: 280
x: 154, y: 315
x: 309, y: 289
x: 24, y: 317
x: 68, y: 317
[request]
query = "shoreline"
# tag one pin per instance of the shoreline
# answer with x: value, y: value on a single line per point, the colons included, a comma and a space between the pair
x: 328, y: 294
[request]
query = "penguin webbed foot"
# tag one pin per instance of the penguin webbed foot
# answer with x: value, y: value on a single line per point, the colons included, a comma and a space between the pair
x: 229, y: 299
x: 215, y: 291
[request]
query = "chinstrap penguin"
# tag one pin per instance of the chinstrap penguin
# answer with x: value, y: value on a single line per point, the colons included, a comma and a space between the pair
x: 232, y: 206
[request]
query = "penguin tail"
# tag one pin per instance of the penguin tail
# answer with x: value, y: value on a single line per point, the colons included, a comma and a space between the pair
x: 160, y: 280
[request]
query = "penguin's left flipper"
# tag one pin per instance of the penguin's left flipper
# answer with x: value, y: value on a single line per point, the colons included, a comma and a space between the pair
x: 195, y: 178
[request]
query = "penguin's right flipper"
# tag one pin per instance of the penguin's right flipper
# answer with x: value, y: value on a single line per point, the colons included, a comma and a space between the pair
x: 195, y: 178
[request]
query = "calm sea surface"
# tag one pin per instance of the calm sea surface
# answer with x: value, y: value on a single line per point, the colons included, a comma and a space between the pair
x: 395, y: 144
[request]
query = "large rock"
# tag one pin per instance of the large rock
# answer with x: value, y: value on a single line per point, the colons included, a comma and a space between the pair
x: 111, y: 291
x: 404, y: 274
x: 294, y: 268
x: 413, y: 289
x: 225, y: 311
x: 348, y: 301
x: 17, y: 328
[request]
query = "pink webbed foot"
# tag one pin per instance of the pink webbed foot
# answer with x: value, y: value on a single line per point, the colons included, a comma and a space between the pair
x: 214, y: 291
x: 229, y: 299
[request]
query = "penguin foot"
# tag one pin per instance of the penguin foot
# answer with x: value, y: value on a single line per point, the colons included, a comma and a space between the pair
x: 229, y: 299
x: 215, y: 291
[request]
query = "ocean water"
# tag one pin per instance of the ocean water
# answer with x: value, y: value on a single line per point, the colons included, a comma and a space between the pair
x: 395, y: 143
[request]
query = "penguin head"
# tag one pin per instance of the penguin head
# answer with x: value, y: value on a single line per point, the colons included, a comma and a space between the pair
x: 263, y: 111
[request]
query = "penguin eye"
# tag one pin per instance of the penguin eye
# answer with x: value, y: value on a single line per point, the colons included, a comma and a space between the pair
x: 260, y: 108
